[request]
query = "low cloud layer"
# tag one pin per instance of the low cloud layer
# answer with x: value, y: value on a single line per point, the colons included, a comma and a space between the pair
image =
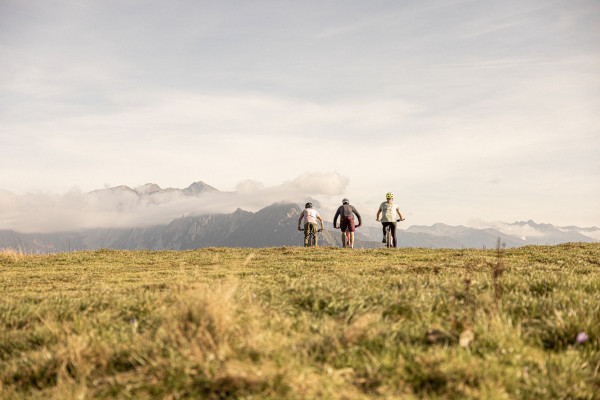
x: 529, y: 230
x: 75, y: 210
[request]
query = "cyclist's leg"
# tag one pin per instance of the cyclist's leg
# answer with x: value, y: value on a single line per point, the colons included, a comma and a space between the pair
x: 393, y: 229
x: 388, y: 239
x: 351, y: 228
x: 306, y: 232
x: 384, y: 227
x: 343, y: 226
x: 313, y: 230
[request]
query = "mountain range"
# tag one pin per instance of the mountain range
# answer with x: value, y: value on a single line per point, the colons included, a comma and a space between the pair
x: 153, y: 190
x: 276, y: 225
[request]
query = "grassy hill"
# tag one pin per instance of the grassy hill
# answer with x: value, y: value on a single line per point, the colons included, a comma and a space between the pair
x: 302, y: 324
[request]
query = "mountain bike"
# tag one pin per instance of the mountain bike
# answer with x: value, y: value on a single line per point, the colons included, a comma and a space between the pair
x: 389, y: 239
x: 312, y: 238
x: 346, y: 238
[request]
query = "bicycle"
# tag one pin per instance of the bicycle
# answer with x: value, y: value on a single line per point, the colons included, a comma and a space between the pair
x: 389, y: 239
x: 312, y: 238
x: 346, y: 238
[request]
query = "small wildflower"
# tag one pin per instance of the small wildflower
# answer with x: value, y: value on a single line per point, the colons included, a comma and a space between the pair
x: 581, y: 338
x: 134, y: 324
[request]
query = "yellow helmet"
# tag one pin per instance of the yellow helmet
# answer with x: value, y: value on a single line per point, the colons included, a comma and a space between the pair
x: 389, y: 195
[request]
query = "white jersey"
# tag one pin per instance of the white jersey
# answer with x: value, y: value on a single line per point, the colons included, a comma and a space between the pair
x: 389, y: 213
x: 310, y: 215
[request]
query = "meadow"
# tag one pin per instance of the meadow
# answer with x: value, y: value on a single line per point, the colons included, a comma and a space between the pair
x: 295, y: 323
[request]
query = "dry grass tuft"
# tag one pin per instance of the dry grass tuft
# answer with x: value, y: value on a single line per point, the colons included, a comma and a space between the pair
x: 361, y: 327
x: 11, y: 256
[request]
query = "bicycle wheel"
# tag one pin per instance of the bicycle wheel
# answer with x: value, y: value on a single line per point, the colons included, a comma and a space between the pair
x: 311, y: 239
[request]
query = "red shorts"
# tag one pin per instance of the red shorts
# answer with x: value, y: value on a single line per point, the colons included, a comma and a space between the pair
x: 347, y: 223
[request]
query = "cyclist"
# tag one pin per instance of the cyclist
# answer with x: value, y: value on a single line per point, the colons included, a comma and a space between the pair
x: 389, y: 210
x: 310, y: 226
x: 346, y: 211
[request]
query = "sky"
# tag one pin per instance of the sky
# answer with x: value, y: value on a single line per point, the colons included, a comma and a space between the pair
x: 467, y: 111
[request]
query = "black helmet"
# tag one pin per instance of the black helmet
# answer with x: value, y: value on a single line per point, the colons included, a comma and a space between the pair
x: 345, y: 201
x: 308, y: 205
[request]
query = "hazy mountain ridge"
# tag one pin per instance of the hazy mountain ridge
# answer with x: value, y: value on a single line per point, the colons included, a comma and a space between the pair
x: 530, y: 232
x: 276, y: 225
x: 152, y: 189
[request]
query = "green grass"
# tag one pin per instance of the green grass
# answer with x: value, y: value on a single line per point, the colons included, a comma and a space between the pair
x: 299, y: 323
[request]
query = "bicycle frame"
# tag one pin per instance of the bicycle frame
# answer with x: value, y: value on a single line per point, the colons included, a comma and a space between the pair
x: 389, y: 239
x: 312, y: 238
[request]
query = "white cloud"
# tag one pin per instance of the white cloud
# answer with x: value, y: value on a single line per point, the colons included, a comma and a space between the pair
x: 51, y: 212
x: 523, y: 231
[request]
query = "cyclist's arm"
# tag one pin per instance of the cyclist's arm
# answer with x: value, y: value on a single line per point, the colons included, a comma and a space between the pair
x: 378, y: 214
x: 300, y: 220
x: 400, y: 215
x: 357, y: 215
x: 335, y: 218
x: 322, y: 224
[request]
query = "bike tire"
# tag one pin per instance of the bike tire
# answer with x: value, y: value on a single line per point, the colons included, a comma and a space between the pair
x: 311, y: 239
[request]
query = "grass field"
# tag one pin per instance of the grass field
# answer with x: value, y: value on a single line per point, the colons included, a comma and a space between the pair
x: 299, y: 323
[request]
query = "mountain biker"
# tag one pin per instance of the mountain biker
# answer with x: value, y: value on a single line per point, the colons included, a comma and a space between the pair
x: 346, y: 211
x: 310, y: 226
x: 389, y: 210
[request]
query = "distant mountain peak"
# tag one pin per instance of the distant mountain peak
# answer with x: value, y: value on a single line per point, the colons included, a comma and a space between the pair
x: 147, y: 188
x: 197, y: 188
x: 120, y: 188
x: 282, y: 208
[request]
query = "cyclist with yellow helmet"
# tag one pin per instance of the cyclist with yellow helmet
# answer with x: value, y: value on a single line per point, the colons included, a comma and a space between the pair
x: 389, y: 209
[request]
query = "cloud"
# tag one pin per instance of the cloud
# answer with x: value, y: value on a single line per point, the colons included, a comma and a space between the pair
x: 319, y: 183
x: 121, y: 208
x: 522, y: 230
